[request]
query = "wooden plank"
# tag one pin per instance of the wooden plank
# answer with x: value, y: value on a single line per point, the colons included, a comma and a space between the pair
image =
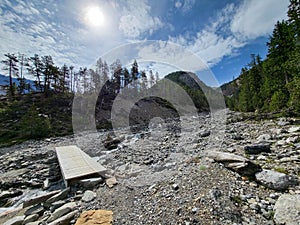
x: 75, y: 163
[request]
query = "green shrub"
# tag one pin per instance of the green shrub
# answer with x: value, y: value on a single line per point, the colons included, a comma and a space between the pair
x: 278, y: 100
x: 34, y: 125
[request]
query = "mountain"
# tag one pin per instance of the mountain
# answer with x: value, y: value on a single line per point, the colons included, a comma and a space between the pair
x: 203, y: 96
x: 4, y: 80
x: 231, y: 88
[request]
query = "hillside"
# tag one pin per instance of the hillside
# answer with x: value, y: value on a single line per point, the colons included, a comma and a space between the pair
x: 51, y: 112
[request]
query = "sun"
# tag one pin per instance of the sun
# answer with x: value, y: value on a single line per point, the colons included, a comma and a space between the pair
x: 94, y: 16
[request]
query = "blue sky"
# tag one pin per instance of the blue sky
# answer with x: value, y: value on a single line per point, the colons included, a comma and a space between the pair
x: 221, y: 34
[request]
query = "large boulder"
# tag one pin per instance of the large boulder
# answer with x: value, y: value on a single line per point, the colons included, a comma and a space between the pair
x: 275, y: 180
x: 287, y: 210
x: 237, y: 163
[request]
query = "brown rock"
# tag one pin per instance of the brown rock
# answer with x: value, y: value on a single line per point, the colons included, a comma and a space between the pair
x: 103, y: 217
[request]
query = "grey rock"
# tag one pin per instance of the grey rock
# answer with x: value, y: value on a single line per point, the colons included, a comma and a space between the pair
x: 112, y: 143
x: 91, y: 183
x: 236, y: 163
x: 61, y: 211
x: 59, y: 196
x: 287, y: 210
x: 88, y: 196
x: 17, y: 220
x: 294, y: 129
x: 64, y: 220
x: 56, y: 205
x: 35, y: 223
x: 39, y: 199
x: 215, y: 194
x: 283, y: 122
x: 36, y: 209
x: 46, y: 183
x: 275, y: 180
x: 175, y: 187
x: 292, y: 139
x: 257, y: 148
x: 13, y: 173
x: 264, y: 137
x: 31, y: 218
x: 281, y: 142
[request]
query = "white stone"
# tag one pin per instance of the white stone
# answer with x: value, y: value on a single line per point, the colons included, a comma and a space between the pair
x: 287, y: 210
x: 88, y: 196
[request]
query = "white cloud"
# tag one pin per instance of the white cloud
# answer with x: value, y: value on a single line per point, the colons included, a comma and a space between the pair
x: 232, y: 28
x: 188, y: 5
x: 136, y: 19
x: 184, y: 5
x: 212, y: 43
x: 255, y: 18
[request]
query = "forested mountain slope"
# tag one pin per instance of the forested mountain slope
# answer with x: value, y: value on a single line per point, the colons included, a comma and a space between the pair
x: 272, y: 84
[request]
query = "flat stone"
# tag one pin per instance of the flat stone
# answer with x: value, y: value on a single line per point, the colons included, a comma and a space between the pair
x: 294, y: 129
x: 91, y: 183
x: 64, y: 220
x: 13, y: 173
x: 281, y: 142
x: 264, y: 137
x: 39, y: 199
x: 275, y: 180
x: 257, y: 148
x: 236, y: 163
x: 31, y: 218
x: 36, y: 209
x: 61, y: 211
x: 103, y: 217
x: 89, y: 196
x: 59, y: 196
x: 56, y: 205
x: 287, y: 210
x: 17, y: 220
x: 35, y: 223
x: 292, y: 139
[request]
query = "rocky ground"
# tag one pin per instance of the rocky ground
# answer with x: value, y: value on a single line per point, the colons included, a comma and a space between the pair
x: 162, y: 177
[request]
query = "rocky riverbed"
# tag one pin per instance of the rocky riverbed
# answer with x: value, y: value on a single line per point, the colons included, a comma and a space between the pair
x: 162, y: 177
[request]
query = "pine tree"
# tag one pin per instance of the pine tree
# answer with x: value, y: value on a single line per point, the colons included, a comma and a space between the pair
x: 11, y: 66
x: 35, y: 68
x: 116, y: 69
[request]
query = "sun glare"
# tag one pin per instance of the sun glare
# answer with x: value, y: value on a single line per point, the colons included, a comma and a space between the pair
x: 94, y: 16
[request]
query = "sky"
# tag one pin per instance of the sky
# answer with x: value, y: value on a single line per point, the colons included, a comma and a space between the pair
x: 163, y: 35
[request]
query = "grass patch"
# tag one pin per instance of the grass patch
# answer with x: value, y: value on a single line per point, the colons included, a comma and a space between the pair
x: 237, y: 199
x: 202, y: 167
x: 280, y: 170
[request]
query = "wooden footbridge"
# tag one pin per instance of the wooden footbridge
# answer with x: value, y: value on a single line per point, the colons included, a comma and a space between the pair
x: 76, y: 164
